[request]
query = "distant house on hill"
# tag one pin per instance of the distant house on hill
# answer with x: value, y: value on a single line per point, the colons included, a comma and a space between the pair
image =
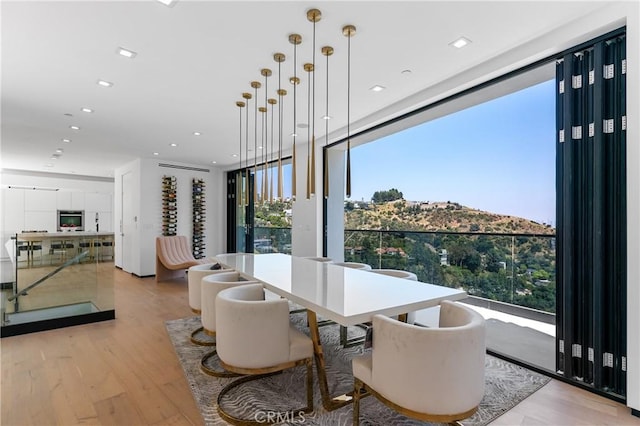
x: 444, y: 258
x: 391, y: 251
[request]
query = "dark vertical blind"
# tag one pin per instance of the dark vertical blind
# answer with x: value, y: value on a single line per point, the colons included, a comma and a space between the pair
x: 591, y: 215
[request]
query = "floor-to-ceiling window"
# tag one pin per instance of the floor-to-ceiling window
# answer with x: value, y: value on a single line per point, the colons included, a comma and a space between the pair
x: 469, y: 200
x: 259, y: 208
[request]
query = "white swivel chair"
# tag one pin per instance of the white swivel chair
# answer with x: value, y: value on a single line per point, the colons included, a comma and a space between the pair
x: 398, y: 273
x: 430, y: 374
x: 319, y: 258
x: 255, y: 338
x: 210, y: 286
x: 195, y: 274
x: 354, y: 265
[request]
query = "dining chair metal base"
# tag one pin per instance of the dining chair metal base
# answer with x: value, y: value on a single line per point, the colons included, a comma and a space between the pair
x: 212, y: 371
x: 354, y: 341
x: 347, y: 343
x: 206, y: 341
x: 275, y: 416
x: 361, y: 390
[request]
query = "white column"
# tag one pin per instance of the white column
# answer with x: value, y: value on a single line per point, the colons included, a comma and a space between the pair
x: 335, y: 204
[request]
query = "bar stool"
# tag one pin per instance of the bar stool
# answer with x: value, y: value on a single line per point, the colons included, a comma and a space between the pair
x: 107, y: 242
x: 23, y: 247
x: 59, y: 247
x: 34, y: 247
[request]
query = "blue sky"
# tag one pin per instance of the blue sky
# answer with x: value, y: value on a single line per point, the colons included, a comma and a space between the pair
x: 498, y: 156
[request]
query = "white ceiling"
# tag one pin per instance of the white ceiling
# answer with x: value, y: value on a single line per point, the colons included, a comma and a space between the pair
x: 196, y: 58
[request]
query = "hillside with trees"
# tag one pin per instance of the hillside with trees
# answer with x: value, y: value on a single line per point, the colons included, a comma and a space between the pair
x: 435, y: 216
x: 498, y: 257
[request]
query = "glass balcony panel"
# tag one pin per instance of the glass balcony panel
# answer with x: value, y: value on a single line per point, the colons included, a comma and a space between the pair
x: 510, y: 279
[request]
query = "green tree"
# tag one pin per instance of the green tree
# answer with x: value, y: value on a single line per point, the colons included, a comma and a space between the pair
x: 384, y: 196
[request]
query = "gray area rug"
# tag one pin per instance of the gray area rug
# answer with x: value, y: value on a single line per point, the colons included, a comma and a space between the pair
x: 506, y: 384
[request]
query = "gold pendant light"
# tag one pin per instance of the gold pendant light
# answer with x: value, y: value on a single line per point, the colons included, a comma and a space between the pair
x: 313, y: 16
x: 348, y: 31
x: 256, y: 85
x: 271, y: 102
x: 326, y: 51
x: 239, y: 198
x: 309, y: 69
x: 294, y: 39
x: 272, y: 147
x: 263, y: 135
x: 245, y: 172
x: 279, y: 58
x: 266, y: 73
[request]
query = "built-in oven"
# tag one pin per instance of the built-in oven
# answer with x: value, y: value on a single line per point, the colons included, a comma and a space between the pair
x: 70, y: 220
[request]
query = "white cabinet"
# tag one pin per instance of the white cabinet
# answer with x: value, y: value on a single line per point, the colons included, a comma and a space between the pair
x: 64, y: 200
x: 12, y: 210
x: 40, y: 221
x: 78, y: 201
x: 41, y: 201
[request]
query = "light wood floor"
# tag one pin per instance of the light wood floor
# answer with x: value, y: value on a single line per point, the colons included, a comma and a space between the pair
x: 125, y: 372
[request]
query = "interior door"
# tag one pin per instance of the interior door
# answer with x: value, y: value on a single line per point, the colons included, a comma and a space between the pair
x: 127, y: 224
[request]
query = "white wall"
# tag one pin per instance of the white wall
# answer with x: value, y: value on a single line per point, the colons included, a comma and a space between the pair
x: 306, y: 226
x: 147, y: 210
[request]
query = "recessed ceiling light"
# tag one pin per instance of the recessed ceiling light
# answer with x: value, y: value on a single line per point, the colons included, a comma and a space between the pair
x: 460, y: 42
x: 234, y: 155
x: 173, y: 144
x: 65, y: 140
x: 48, y: 165
x: 126, y: 53
x: 260, y: 147
x: 168, y: 3
x: 197, y: 134
x: 74, y: 127
x: 214, y: 162
x: 294, y: 134
x: 156, y: 153
x: 326, y: 117
x: 59, y: 150
x: 104, y: 83
x: 85, y: 109
x: 377, y: 88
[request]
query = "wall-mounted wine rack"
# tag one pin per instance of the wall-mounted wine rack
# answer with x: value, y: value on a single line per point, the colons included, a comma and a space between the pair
x: 199, y: 210
x: 169, y: 206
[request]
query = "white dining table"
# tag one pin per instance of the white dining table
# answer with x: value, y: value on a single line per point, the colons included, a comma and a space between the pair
x: 345, y: 295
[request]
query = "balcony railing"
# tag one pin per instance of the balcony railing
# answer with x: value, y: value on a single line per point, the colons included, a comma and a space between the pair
x: 518, y: 269
x: 272, y: 240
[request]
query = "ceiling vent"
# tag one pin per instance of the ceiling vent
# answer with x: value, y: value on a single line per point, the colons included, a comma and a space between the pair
x: 175, y: 166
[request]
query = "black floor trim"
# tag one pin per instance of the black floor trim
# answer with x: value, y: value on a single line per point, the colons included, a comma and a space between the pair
x: 50, y: 324
x: 554, y: 375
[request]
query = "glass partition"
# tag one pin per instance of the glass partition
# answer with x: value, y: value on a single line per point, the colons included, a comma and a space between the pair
x: 59, y: 279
